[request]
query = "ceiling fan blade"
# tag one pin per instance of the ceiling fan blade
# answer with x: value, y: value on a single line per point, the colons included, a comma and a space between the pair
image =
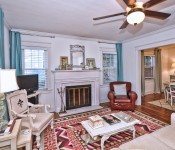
x: 152, y: 3
x: 129, y: 2
x: 124, y: 25
x: 155, y: 14
x: 122, y: 4
x: 108, y: 16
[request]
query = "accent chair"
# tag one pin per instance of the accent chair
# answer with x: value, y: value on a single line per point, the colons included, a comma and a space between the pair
x: 121, y: 97
x: 172, y: 92
x: 18, y: 106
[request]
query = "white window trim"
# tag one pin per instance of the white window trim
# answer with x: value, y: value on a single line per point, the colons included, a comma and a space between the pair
x: 47, y: 49
x: 105, y: 50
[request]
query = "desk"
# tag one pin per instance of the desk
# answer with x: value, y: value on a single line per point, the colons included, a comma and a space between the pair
x: 11, y: 139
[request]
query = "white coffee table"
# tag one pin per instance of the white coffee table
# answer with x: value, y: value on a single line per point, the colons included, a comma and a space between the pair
x: 109, y: 130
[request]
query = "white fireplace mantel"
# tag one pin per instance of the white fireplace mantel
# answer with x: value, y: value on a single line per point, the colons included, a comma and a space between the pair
x: 63, y: 78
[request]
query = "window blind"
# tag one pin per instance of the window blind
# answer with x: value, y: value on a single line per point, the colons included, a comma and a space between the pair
x: 35, y: 61
x: 109, y: 67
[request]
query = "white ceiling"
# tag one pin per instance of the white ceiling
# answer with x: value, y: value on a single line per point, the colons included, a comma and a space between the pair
x: 75, y: 17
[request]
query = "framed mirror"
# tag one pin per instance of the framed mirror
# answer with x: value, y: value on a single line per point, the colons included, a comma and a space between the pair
x: 77, y: 56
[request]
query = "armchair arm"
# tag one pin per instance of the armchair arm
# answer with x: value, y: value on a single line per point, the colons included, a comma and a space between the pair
x: 40, y: 106
x: 30, y: 116
x: 111, y: 96
x: 173, y: 119
x: 23, y: 115
x: 133, y: 96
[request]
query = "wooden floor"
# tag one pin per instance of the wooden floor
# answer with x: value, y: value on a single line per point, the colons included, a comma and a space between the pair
x: 152, y: 110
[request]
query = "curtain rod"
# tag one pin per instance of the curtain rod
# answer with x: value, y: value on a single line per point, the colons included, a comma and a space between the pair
x: 38, y: 35
x: 106, y: 42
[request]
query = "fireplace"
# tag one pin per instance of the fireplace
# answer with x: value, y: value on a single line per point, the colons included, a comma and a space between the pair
x: 72, y: 79
x: 78, y: 96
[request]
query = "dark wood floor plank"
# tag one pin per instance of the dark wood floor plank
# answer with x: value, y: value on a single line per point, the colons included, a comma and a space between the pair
x: 154, y: 111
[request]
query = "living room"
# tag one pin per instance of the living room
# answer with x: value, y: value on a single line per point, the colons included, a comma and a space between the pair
x: 40, y: 24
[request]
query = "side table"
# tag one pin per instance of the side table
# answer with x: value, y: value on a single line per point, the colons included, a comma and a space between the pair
x: 11, y: 139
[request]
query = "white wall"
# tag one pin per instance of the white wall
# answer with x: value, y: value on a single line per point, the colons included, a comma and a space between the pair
x: 132, y: 55
x: 168, y: 57
x: 6, y: 47
x: 59, y: 46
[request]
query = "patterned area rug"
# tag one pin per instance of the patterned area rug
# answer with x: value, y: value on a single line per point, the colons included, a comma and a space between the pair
x: 163, y: 104
x: 70, y: 133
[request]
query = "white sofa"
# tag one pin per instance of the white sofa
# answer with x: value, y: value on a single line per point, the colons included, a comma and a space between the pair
x: 162, y: 139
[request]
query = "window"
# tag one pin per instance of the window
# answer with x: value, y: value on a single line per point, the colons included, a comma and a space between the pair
x: 35, y: 61
x: 109, y: 67
x: 149, y: 64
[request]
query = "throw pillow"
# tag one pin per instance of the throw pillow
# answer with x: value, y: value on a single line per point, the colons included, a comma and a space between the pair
x: 120, y: 89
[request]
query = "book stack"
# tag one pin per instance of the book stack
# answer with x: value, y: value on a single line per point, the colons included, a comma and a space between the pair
x: 110, y: 119
x: 96, y: 122
x: 125, y: 117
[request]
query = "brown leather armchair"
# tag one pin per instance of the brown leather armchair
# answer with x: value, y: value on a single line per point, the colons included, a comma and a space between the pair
x: 122, y: 102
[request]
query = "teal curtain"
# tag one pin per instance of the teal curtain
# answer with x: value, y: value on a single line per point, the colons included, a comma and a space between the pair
x: 142, y: 73
x: 2, y: 53
x: 15, y: 52
x: 119, y: 62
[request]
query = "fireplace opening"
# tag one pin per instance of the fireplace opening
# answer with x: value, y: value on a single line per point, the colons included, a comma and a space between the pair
x: 78, y: 96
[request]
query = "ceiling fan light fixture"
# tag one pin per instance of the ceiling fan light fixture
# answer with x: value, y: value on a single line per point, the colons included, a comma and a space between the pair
x: 128, y: 9
x: 139, y: 5
x: 135, y: 17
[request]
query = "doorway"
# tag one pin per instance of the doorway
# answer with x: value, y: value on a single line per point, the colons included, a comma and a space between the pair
x: 167, y: 68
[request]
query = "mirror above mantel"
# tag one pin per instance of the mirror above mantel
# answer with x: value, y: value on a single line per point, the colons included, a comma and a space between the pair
x: 77, y: 56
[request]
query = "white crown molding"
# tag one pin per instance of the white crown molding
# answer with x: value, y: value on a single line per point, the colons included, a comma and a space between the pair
x: 7, y: 24
x: 5, y: 20
x: 150, y: 34
x: 52, y: 35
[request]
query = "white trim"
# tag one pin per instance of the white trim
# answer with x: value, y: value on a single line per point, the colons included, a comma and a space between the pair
x: 101, y: 58
x: 104, y: 50
x: 138, y: 60
x: 51, y: 35
x: 35, y: 45
x: 150, y: 34
x: 46, y: 61
x: 7, y: 24
x: 5, y: 19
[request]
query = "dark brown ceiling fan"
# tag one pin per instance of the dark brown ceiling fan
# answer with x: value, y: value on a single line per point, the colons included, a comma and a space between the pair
x: 136, y: 12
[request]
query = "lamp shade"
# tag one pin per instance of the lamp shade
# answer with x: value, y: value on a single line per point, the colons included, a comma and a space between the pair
x: 8, y: 80
x: 173, y: 65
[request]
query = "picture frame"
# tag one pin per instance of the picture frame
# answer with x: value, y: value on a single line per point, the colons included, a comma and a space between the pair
x: 63, y: 60
x: 90, y: 62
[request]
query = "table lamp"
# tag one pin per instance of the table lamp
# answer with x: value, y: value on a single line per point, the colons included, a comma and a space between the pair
x: 173, y: 66
x: 8, y: 83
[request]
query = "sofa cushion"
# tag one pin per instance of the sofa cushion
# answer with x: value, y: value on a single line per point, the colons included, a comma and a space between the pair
x: 145, y: 142
x: 120, y: 89
x: 166, y: 135
x: 122, y: 99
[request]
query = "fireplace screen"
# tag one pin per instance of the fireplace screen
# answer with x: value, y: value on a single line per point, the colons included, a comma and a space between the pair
x: 78, y: 96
